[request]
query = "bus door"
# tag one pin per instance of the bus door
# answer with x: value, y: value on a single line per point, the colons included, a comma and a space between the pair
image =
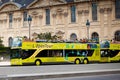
x: 105, y: 55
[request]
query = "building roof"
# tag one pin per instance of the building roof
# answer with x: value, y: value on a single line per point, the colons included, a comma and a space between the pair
x: 25, y: 3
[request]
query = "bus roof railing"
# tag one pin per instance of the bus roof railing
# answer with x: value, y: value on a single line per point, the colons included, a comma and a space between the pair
x: 65, y: 41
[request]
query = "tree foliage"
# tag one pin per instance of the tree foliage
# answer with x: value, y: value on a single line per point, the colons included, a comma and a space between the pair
x: 1, y: 41
x: 47, y: 36
x: 2, y: 48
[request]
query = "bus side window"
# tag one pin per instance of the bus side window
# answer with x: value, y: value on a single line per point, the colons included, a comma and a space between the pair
x: 105, y: 53
x: 113, y: 53
x: 84, y: 53
x: 78, y: 53
x: 102, y: 53
x: 58, y: 53
x: 90, y: 52
x: 42, y: 53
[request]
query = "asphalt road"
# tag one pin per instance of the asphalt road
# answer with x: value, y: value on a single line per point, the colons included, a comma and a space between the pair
x: 97, y: 77
x: 54, y: 71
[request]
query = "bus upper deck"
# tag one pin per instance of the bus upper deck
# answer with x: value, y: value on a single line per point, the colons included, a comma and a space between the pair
x: 45, y: 52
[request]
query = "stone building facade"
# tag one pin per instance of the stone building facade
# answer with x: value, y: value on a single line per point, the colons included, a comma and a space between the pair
x: 64, y: 17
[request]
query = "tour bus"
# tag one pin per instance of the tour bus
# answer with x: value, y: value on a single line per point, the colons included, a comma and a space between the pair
x: 45, y: 52
x: 110, y: 53
x: 48, y: 52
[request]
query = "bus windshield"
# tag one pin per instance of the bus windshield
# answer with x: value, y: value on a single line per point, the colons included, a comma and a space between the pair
x: 113, y: 53
x: 18, y: 53
x: 15, y: 53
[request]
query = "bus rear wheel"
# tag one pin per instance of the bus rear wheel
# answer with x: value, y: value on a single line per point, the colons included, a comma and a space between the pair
x: 77, y: 61
x: 37, y: 62
x: 85, y: 61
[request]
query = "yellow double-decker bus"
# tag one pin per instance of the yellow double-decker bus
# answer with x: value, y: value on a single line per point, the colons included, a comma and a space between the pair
x: 110, y: 54
x: 45, y: 52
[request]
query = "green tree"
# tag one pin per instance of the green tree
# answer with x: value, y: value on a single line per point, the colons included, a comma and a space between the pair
x: 47, y: 36
x: 2, y: 48
x: 1, y: 41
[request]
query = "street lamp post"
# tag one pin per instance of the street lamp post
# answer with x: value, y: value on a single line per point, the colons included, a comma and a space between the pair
x: 29, y: 22
x: 88, y: 26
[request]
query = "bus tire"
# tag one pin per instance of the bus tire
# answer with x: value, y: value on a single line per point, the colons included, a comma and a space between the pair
x: 77, y: 61
x: 38, y: 62
x: 85, y: 61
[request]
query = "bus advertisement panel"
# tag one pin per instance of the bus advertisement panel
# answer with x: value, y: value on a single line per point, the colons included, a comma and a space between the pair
x: 34, y: 45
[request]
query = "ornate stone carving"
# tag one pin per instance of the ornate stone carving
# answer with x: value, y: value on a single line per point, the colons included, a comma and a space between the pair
x: 53, y: 15
x: 34, y: 13
x: 107, y: 10
x: 101, y: 10
x: 40, y: 16
x: 2, y: 20
x: 80, y: 12
x: 60, y: 13
x: 83, y: 11
x: 59, y: 10
x: 65, y: 14
x: 86, y: 11
x: 9, y: 8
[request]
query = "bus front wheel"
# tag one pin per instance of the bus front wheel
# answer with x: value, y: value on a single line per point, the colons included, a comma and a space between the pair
x: 77, y: 61
x: 37, y: 62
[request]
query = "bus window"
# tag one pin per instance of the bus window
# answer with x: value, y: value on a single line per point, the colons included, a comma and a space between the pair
x: 55, y: 53
x: 79, y: 53
x: 113, y: 53
x: 71, y: 53
x: 26, y: 53
x: 58, y: 53
x: 105, y: 53
x: 50, y: 53
x: 43, y: 53
x: 15, y: 53
x: 84, y: 53
x: 90, y: 52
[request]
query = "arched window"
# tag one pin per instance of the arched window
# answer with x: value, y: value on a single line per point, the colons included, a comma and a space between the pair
x: 95, y: 36
x: 117, y: 35
x: 10, y: 41
x: 73, y: 37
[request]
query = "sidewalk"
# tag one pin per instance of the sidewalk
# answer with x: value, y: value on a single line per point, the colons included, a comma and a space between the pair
x: 4, y: 60
x: 5, y: 63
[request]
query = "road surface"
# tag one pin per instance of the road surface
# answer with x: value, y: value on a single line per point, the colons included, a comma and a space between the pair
x: 47, y: 71
x: 97, y: 77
